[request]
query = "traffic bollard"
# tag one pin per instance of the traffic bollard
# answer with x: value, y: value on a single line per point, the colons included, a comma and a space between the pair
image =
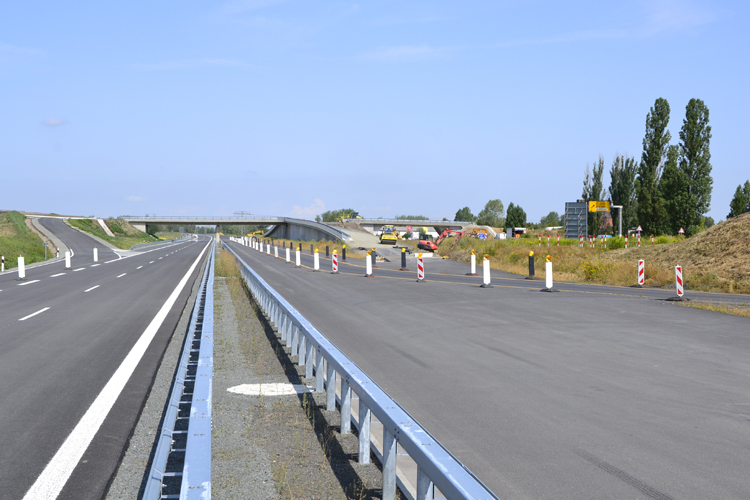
x: 2, y: 266
x: 486, y: 272
x: 368, y: 266
x: 316, y: 261
x: 96, y: 255
x: 287, y: 255
x: 21, y: 268
x: 343, y: 253
x: 403, y: 260
x: 297, y: 259
x: 548, y: 276
x: 473, y: 264
x: 335, y: 263
x: 67, y: 259
x: 374, y: 258
x: 327, y: 254
x: 276, y: 251
x: 420, y: 268
x: 531, y: 267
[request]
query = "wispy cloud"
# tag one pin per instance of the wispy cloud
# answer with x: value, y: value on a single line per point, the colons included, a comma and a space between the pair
x: 318, y: 207
x: 406, y: 53
x: 135, y: 199
x: 54, y: 122
x: 13, y: 53
x: 190, y: 64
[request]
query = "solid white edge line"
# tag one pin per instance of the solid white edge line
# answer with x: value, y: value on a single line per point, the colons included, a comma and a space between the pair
x: 57, y: 472
x: 40, y: 311
x: 28, y: 283
x: 92, y: 288
x: 123, y: 274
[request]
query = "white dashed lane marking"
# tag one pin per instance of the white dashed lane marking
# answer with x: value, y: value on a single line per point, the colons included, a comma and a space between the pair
x: 28, y: 283
x: 79, y: 269
x: 94, y: 265
x: 139, y: 267
x: 56, y: 275
x: 123, y: 274
x: 33, y: 314
x: 92, y: 288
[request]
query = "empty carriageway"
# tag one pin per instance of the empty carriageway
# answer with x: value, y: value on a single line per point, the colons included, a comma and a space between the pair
x: 567, y: 395
x: 80, y: 348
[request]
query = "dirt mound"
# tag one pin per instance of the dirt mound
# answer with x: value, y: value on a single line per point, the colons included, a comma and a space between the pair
x: 722, y: 251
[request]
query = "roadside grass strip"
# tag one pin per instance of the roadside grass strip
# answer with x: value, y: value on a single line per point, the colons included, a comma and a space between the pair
x: 55, y: 475
x: 40, y: 311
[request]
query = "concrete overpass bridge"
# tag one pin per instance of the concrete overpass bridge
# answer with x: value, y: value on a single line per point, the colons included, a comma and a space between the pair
x: 281, y: 227
x: 375, y: 225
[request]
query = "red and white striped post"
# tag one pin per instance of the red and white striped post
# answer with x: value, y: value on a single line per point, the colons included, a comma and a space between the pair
x: 641, y: 273
x: 626, y: 241
x: 678, y: 281
x: 652, y: 240
x: 580, y: 242
x: 335, y: 263
x: 540, y: 240
x: 420, y: 268
x: 639, y: 240
x: 548, y: 240
x: 558, y: 240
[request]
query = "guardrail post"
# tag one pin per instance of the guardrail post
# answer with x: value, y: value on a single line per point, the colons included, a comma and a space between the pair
x: 302, y: 356
x: 295, y: 338
x: 319, y: 372
x: 309, y: 363
x: 389, y: 465
x: 346, y: 406
x: 365, y: 416
x: 331, y: 388
x: 425, y: 487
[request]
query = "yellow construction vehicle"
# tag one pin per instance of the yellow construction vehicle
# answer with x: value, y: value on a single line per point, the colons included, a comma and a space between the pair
x: 389, y: 234
x: 256, y: 233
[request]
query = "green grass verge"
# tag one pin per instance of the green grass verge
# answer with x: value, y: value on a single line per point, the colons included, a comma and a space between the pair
x: 16, y: 239
x: 123, y: 242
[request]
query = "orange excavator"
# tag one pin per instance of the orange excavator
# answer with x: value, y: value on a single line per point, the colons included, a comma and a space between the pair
x: 433, y: 246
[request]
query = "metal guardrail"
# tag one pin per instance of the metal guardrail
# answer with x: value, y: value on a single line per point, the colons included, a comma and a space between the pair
x: 141, y: 246
x: 437, y: 467
x: 191, y: 388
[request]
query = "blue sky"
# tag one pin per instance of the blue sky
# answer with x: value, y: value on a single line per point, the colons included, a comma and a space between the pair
x: 387, y: 107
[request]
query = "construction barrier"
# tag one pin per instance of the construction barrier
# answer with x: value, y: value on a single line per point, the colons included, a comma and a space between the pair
x: 21, y: 268
x: 420, y: 268
x: 316, y: 261
x: 368, y: 265
x: 486, y: 272
x: 335, y: 263
x: 678, y: 281
x: 297, y: 259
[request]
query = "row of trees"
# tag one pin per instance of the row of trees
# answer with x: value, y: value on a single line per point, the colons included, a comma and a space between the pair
x: 671, y: 186
x: 741, y: 201
x: 493, y: 215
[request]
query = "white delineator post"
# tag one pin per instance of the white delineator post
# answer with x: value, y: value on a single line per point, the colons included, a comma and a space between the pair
x: 473, y: 264
x: 368, y: 265
x: 2, y: 265
x: 678, y: 281
x: 287, y: 256
x: 316, y: 261
x: 335, y: 263
x: 420, y: 268
x: 641, y: 272
x: 276, y: 252
x: 21, y: 268
x: 96, y: 255
x: 486, y: 272
x: 297, y: 260
x: 67, y: 259
x: 548, y: 274
x: 268, y: 248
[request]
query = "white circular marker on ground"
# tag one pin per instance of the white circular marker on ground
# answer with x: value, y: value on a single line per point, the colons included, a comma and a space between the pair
x: 280, y: 389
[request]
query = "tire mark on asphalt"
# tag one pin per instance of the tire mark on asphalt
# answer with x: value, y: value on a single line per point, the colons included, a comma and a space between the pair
x: 620, y: 474
x: 510, y: 355
x: 409, y: 356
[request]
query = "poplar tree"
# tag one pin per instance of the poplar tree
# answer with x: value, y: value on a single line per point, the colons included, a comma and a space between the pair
x: 695, y: 164
x: 741, y: 201
x: 592, y: 191
x: 622, y: 188
x: 650, y: 208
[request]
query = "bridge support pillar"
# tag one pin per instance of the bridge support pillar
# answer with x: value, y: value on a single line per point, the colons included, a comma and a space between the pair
x: 140, y: 227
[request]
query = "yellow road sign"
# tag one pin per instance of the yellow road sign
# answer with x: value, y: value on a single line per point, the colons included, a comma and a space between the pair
x: 598, y: 206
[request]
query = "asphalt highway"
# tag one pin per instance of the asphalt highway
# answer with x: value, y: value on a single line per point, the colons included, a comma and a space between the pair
x: 591, y: 393
x: 66, y: 335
